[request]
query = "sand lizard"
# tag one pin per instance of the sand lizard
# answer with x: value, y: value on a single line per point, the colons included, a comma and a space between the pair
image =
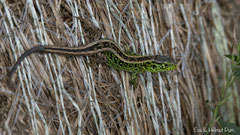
x: 116, y: 58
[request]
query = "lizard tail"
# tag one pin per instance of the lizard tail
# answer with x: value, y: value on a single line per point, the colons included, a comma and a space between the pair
x: 24, y: 55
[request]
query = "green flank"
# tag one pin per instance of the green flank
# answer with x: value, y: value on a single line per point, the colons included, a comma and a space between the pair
x: 151, y: 66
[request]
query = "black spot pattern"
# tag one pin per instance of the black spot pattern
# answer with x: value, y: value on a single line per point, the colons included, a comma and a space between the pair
x: 154, y: 67
x: 114, y: 62
x: 120, y: 63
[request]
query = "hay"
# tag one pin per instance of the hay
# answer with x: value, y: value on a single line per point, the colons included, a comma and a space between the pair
x: 54, y: 94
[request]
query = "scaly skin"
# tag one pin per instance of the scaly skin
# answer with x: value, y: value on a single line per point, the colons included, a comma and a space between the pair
x: 116, y: 58
x: 136, y: 68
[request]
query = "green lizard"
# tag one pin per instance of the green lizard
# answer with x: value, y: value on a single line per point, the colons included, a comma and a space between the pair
x: 116, y: 58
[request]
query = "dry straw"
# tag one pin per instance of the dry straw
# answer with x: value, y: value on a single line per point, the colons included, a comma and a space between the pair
x: 54, y: 94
